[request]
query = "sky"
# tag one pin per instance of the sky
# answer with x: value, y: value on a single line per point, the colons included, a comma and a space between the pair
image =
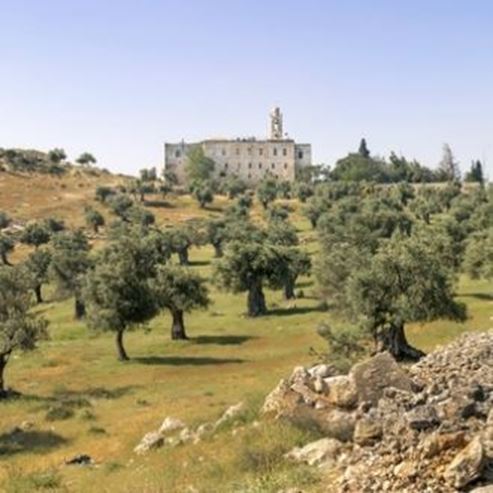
x: 118, y: 78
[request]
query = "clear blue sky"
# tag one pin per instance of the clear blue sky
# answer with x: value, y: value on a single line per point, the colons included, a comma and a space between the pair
x: 118, y: 77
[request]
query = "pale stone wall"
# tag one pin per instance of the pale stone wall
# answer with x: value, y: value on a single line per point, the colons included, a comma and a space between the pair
x: 247, y: 158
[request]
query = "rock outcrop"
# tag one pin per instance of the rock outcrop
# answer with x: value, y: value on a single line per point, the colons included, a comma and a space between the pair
x: 424, y: 428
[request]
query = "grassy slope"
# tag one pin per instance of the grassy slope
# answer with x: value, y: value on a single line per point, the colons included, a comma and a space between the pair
x: 229, y: 358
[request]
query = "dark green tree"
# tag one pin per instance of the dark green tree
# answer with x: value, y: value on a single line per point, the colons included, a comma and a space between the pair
x: 57, y: 155
x: 35, y: 234
x: 180, y: 291
x: 94, y: 219
x: 86, y: 159
x: 37, y: 267
x: 103, y: 193
x: 363, y: 149
x: 203, y: 193
x: 198, y: 166
x: 267, y: 191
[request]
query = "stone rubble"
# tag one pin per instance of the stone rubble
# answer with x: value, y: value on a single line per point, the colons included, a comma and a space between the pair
x: 174, y: 432
x: 424, y: 428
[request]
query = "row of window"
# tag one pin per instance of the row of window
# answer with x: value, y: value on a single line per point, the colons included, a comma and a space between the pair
x: 260, y: 165
x: 260, y: 152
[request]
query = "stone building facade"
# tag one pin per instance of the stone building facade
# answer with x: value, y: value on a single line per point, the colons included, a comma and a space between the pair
x: 249, y: 158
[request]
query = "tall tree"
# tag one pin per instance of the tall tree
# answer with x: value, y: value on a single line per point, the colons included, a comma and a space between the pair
x: 448, y: 166
x: 475, y: 174
x: 20, y: 327
x: 267, y: 191
x: 363, y: 149
x: 94, y: 219
x: 198, y: 166
x: 57, y: 155
x: 179, y: 290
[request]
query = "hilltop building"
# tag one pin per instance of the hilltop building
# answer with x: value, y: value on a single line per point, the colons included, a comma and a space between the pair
x: 248, y: 158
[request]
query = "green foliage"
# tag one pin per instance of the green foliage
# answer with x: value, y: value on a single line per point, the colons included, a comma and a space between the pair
x: 86, y: 159
x: 478, y: 257
x: 120, y: 205
x: 448, y: 166
x: 234, y: 186
x: 20, y: 328
x: 94, y: 219
x: 204, y: 193
x: 198, y: 166
x: 35, y: 234
x: 54, y: 224
x: 103, y: 193
x: 37, y: 270
x: 303, y: 191
x: 4, y: 220
x: 267, y: 191
x: 57, y: 155
x: 475, y: 174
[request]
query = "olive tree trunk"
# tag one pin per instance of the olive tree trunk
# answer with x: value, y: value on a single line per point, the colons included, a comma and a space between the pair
x: 183, y: 256
x: 393, y: 339
x: 4, y: 358
x: 122, y: 354
x: 80, y: 308
x: 289, y: 288
x: 218, y: 250
x: 5, y: 260
x: 256, y: 300
x: 177, y: 326
x: 37, y: 292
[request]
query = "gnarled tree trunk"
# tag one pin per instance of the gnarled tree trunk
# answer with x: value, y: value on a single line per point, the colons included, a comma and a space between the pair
x: 256, y: 299
x: 122, y: 354
x: 183, y: 256
x: 393, y: 339
x: 178, y: 327
x: 3, y: 363
x: 218, y: 250
x: 80, y: 308
x: 289, y: 288
x: 5, y: 260
x: 37, y: 292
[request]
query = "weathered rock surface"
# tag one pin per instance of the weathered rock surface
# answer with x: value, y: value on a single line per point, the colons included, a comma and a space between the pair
x: 422, y: 428
x: 316, y: 453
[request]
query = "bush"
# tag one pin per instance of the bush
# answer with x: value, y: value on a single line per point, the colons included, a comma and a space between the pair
x: 59, y: 413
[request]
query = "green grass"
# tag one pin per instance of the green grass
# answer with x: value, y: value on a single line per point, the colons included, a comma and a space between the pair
x: 108, y: 405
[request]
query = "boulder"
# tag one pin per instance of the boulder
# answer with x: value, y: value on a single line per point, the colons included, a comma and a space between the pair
x: 341, y: 391
x: 367, y: 431
x: 322, y: 371
x: 150, y: 441
x: 231, y: 413
x: 316, y: 453
x: 337, y: 424
x: 467, y: 465
x: 170, y: 425
x: 436, y: 443
x: 372, y: 376
x: 483, y: 489
x: 281, y: 402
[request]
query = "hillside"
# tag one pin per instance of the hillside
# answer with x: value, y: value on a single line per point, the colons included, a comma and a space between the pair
x: 76, y: 398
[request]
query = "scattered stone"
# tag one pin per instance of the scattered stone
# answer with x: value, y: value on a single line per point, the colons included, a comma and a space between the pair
x: 367, y: 431
x: 322, y: 371
x: 316, y: 453
x: 341, y: 391
x: 150, y: 441
x: 422, y: 418
x: 231, y: 413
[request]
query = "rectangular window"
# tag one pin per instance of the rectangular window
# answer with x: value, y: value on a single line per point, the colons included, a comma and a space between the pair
x: 274, y: 151
x: 237, y: 151
x: 259, y: 165
x: 273, y: 166
x: 249, y: 165
x: 260, y: 152
x: 225, y: 165
x: 284, y: 152
x: 177, y: 153
x: 300, y: 154
x: 224, y: 152
x: 285, y: 165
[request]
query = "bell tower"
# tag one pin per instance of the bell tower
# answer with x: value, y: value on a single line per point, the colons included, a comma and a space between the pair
x: 276, y: 124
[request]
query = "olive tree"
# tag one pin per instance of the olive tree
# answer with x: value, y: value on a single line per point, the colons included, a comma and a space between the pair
x: 405, y: 281
x: 94, y: 219
x: 478, y: 257
x: 117, y: 296
x: 267, y: 191
x: 37, y: 266
x: 35, y: 234
x: 247, y: 266
x: 70, y: 261
x: 179, y: 290
x: 20, y: 327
